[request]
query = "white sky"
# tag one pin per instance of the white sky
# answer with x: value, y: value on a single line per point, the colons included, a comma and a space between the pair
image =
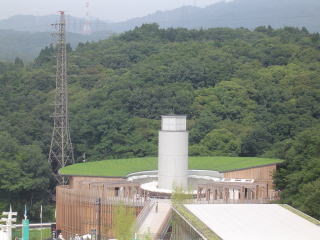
x: 114, y: 10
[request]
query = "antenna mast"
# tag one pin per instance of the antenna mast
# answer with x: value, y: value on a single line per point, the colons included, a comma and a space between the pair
x: 61, y: 151
x: 87, y: 24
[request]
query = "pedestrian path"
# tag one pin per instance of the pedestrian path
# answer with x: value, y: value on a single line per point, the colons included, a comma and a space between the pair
x: 157, y: 220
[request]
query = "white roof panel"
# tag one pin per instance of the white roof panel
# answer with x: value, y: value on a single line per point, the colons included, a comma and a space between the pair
x: 254, y: 221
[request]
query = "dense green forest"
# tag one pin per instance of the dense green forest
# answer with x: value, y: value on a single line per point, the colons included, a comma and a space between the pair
x: 246, y: 93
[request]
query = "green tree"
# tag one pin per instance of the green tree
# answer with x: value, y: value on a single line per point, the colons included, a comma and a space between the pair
x: 221, y: 142
x: 124, y: 220
x: 298, y: 177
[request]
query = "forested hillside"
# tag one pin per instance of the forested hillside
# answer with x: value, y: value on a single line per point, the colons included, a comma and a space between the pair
x: 246, y: 93
x: 36, y: 24
x: 222, y: 13
x: 27, y: 46
x: 234, y: 14
x: 23, y: 36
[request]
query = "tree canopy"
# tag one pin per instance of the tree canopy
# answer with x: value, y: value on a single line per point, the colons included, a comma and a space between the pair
x: 246, y: 93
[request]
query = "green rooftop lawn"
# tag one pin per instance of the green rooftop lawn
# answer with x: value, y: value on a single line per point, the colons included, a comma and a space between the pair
x: 122, y: 167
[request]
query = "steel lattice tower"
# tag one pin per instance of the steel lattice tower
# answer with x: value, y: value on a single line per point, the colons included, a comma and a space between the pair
x: 61, y: 151
x: 87, y: 24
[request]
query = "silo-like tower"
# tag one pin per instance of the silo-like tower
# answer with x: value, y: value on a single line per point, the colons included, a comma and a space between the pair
x: 173, y: 152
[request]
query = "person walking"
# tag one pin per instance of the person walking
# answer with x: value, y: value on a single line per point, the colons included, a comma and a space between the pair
x: 60, y: 237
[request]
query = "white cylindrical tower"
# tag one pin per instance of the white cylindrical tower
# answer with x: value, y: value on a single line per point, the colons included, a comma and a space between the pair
x: 173, y: 153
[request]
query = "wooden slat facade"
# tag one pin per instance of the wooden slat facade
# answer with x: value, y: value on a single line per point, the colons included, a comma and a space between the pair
x: 262, y: 174
x: 76, y: 181
x: 91, y: 205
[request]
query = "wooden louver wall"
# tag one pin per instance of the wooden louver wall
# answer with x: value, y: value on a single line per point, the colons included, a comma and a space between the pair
x: 78, y: 210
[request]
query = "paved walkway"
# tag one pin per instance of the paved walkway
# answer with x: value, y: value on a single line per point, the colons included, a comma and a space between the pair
x: 156, y: 220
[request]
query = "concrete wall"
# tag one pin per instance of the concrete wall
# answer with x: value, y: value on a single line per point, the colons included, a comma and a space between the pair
x: 173, y: 159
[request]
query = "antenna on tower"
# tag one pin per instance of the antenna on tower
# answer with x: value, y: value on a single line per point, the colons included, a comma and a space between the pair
x: 61, y: 151
x: 87, y: 23
x: 195, y: 3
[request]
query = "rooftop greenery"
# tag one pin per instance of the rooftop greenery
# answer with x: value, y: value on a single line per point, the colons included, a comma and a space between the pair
x: 196, y: 222
x: 122, y: 167
x: 301, y: 214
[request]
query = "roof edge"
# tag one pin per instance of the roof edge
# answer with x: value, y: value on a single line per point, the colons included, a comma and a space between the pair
x: 79, y: 175
x: 181, y: 210
x: 301, y: 214
x: 258, y: 166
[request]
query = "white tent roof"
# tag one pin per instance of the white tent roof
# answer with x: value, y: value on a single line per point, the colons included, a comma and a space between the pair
x: 254, y: 221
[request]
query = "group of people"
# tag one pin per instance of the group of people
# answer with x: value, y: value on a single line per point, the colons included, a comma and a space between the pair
x: 77, y: 237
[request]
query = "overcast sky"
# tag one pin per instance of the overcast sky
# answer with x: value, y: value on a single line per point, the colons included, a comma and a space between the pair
x: 114, y: 10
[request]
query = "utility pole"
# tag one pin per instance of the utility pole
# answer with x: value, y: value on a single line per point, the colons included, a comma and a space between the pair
x: 61, y: 151
x: 98, y: 218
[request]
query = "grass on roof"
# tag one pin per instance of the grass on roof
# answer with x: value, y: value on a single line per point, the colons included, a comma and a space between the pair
x: 195, y: 222
x: 122, y: 167
x: 301, y: 214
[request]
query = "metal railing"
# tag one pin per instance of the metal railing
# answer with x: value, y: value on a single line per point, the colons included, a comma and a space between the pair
x: 37, y: 225
x: 165, y: 226
x: 143, y: 214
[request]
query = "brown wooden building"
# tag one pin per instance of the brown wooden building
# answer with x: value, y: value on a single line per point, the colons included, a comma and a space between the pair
x: 88, y: 202
x: 87, y: 205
